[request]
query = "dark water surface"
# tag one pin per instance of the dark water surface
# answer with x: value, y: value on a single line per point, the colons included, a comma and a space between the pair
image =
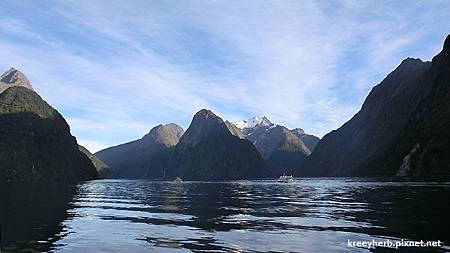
x: 310, y: 215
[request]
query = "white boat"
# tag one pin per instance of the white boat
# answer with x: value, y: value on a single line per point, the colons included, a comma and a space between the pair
x: 285, y: 179
x: 178, y: 180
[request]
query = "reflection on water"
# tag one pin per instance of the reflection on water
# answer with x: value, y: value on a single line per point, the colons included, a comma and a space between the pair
x: 312, y: 215
x: 31, y: 216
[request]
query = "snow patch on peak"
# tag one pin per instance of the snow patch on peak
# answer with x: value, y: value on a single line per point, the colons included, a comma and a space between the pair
x: 272, y: 126
x: 253, y: 122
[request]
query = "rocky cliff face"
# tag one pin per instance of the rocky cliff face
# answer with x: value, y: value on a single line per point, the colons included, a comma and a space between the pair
x: 402, y: 128
x: 148, y: 157
x: 13, y: 77
x: 35, y: 142
x: 234, y: 130
x: 210, y: 151
x: 309, y: 140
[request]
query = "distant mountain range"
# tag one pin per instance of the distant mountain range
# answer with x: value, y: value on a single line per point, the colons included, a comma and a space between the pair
x: 35, y: 140
x: 209, y: 150
x: 283, y: 150
x: 402, y: 128
x: 255, y: 124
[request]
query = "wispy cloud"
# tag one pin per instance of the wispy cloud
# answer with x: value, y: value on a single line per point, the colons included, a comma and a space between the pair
x: 117, y: 68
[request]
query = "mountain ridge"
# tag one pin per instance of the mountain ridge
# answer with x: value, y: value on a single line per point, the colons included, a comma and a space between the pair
x: 248, y: 127
x: 208, y: 150
x: 13, y: 77
x: 147, y: 157
x: 401, y: 129
x: 36, y: 142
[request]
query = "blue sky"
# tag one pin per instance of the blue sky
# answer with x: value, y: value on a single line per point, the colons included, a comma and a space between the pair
x: 115, y: 69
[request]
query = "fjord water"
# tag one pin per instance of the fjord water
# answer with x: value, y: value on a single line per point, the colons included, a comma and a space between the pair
x: 310, y: 215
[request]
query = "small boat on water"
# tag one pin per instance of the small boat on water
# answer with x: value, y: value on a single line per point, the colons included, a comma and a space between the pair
x: 285, y: 179
x: 178, y: 180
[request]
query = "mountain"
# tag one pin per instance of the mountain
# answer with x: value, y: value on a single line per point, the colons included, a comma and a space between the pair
x: 402, y: 128
x: 309, y: 140
x: 13, y: 77
x: 234, y: 130
x: 282, y: 150
x: 35, y: 141
x: 148, y: 157
x: 210, y: 151
x: 246, y: 126
x: 249, y: 126
x: 99, y: 164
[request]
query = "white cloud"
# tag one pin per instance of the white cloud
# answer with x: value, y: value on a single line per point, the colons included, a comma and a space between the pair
x: 18, y: 28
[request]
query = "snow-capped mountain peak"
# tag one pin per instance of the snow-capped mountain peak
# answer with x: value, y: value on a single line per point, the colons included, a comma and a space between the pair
x: 253, y: 122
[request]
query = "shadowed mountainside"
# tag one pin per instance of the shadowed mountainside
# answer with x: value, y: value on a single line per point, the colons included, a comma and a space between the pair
x: 309, y: 140
x: 210, y: 151
x: 282, y: 150
x: 36, y: 144
x: 402, y: 128
x: 148, y: 157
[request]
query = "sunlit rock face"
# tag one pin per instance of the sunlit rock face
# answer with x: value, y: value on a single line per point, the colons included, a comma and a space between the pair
x: 13, y: 77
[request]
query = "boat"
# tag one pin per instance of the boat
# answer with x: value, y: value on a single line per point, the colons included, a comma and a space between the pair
x: 178, y: 180
x: 285, y: 179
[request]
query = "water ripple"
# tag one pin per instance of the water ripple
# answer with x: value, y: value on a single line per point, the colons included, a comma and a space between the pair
x: 311, y: 215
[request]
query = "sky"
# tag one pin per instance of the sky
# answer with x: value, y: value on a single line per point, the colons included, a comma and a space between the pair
x: 115, y: 69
